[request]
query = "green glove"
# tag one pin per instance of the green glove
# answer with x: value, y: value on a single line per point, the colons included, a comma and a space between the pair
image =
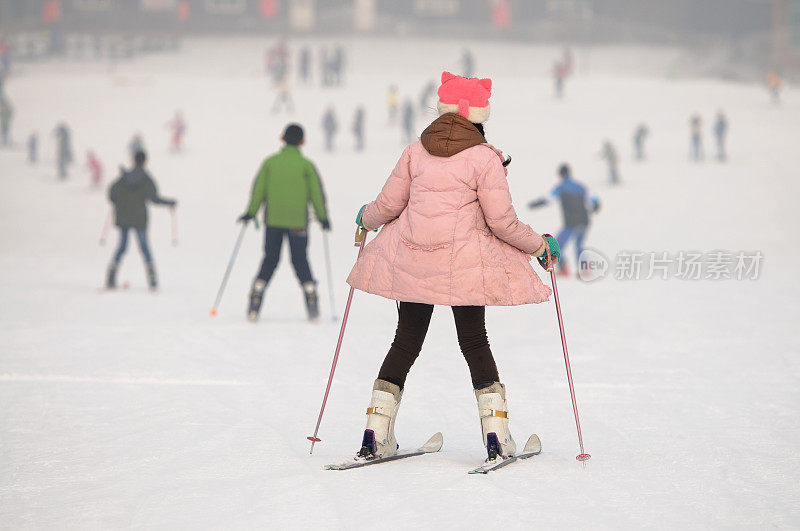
x: 555, y: 250
x: 358, y: 219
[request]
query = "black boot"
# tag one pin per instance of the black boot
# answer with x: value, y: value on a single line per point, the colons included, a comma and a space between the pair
x: 256, y: 298
x: 152, y: 280
x: 111, y: 275
x: 312, y: 301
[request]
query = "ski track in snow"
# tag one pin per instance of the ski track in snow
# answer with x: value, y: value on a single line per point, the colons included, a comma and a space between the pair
x: 134, y: 409
x: 56, y: 378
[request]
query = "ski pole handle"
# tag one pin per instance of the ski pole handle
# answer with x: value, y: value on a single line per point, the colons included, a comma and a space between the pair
x: 361, y: 235
x: 550, y: 262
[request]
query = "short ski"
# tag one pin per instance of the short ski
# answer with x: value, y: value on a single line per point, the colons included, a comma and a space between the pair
x: 532, y: 447
x: 434, y: 444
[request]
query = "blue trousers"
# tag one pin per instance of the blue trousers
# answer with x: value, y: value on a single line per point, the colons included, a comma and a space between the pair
x: 62, y: 167
x: 696, y: 152
x: 567, y: 233
x: 141, y: 235
x: 298, y: 246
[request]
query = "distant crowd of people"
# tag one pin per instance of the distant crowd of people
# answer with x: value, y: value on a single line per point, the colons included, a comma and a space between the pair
x: 134, y: 187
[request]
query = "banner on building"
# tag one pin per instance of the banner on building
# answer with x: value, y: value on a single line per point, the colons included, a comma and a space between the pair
x: 158, y: 5
x: 226, y: 7
x: 302, y: 15
x: 92, y: 5
x: 365, y: 14
x: 437, y: 8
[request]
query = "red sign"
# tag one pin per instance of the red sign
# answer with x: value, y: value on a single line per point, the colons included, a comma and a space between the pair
x: 51, y: 12
x: 184, y: 10
x: 501, y: 14
x: 269, y: 8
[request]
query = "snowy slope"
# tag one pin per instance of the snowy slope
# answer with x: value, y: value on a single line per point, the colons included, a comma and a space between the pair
x: 137, y: 410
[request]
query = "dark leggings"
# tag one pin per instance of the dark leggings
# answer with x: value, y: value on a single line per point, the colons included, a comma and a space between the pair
x: 412, y: 326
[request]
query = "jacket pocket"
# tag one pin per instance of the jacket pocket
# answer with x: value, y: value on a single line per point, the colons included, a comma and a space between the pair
x: 419, y: 247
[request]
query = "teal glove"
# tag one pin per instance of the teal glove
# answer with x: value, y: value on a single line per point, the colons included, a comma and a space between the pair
x: 358, y: 219
x: 555, y: 252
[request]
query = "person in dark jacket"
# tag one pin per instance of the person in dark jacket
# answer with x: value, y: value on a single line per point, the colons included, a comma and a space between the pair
x: 639, y: 136
x: 129, y: 194
x: 358, y: 128
x: 6, y: 113
x: 304, y: 69
x: 696, y: 138
x: 64, y: 149
x: 609, y: 153
x: 33, y: 148
x: 576, y: 205
x: 330, y: 125
x: 720, y: 131
x: 408, y: 122
x: 467, y: 63
x: 426, y: 97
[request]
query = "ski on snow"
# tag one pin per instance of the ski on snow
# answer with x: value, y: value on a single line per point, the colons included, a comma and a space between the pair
x: 434, y: 444
x: 532, y: 447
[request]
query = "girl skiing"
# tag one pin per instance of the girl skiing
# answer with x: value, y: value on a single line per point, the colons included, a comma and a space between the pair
x: 450, y: 236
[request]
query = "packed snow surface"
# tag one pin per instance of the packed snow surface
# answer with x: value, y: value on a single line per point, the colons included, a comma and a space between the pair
x: 132, y: 409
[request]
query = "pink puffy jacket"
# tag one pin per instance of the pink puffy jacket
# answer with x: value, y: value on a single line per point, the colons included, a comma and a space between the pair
x: 450, y: 233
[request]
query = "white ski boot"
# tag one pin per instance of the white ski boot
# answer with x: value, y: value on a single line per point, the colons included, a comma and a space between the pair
x: 493, y: 411
x: 379, y: 439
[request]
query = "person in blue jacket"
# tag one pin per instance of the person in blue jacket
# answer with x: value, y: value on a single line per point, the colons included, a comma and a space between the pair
x: 576, y: 205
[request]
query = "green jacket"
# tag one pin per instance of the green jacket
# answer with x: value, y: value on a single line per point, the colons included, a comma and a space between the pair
x: 286, y: 182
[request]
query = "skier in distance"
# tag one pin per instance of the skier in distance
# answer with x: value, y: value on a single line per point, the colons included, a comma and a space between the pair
x: 130, y: 195
x: 285, y: 184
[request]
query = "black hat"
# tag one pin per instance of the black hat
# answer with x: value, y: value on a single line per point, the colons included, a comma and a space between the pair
x: 293, y: 134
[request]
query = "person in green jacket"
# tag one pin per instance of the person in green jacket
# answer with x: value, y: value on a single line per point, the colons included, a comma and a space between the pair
x: 285, y: 184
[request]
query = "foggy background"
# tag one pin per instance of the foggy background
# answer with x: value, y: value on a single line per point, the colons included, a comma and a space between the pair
x: 735, y: 39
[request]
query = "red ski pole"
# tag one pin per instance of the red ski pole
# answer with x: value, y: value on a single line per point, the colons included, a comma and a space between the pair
x: 106, y: 227
x: 583, y: 456
x: 361, y: 239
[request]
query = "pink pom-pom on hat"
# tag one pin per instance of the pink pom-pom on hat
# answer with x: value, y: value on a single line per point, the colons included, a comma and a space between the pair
x: 467, y: 96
